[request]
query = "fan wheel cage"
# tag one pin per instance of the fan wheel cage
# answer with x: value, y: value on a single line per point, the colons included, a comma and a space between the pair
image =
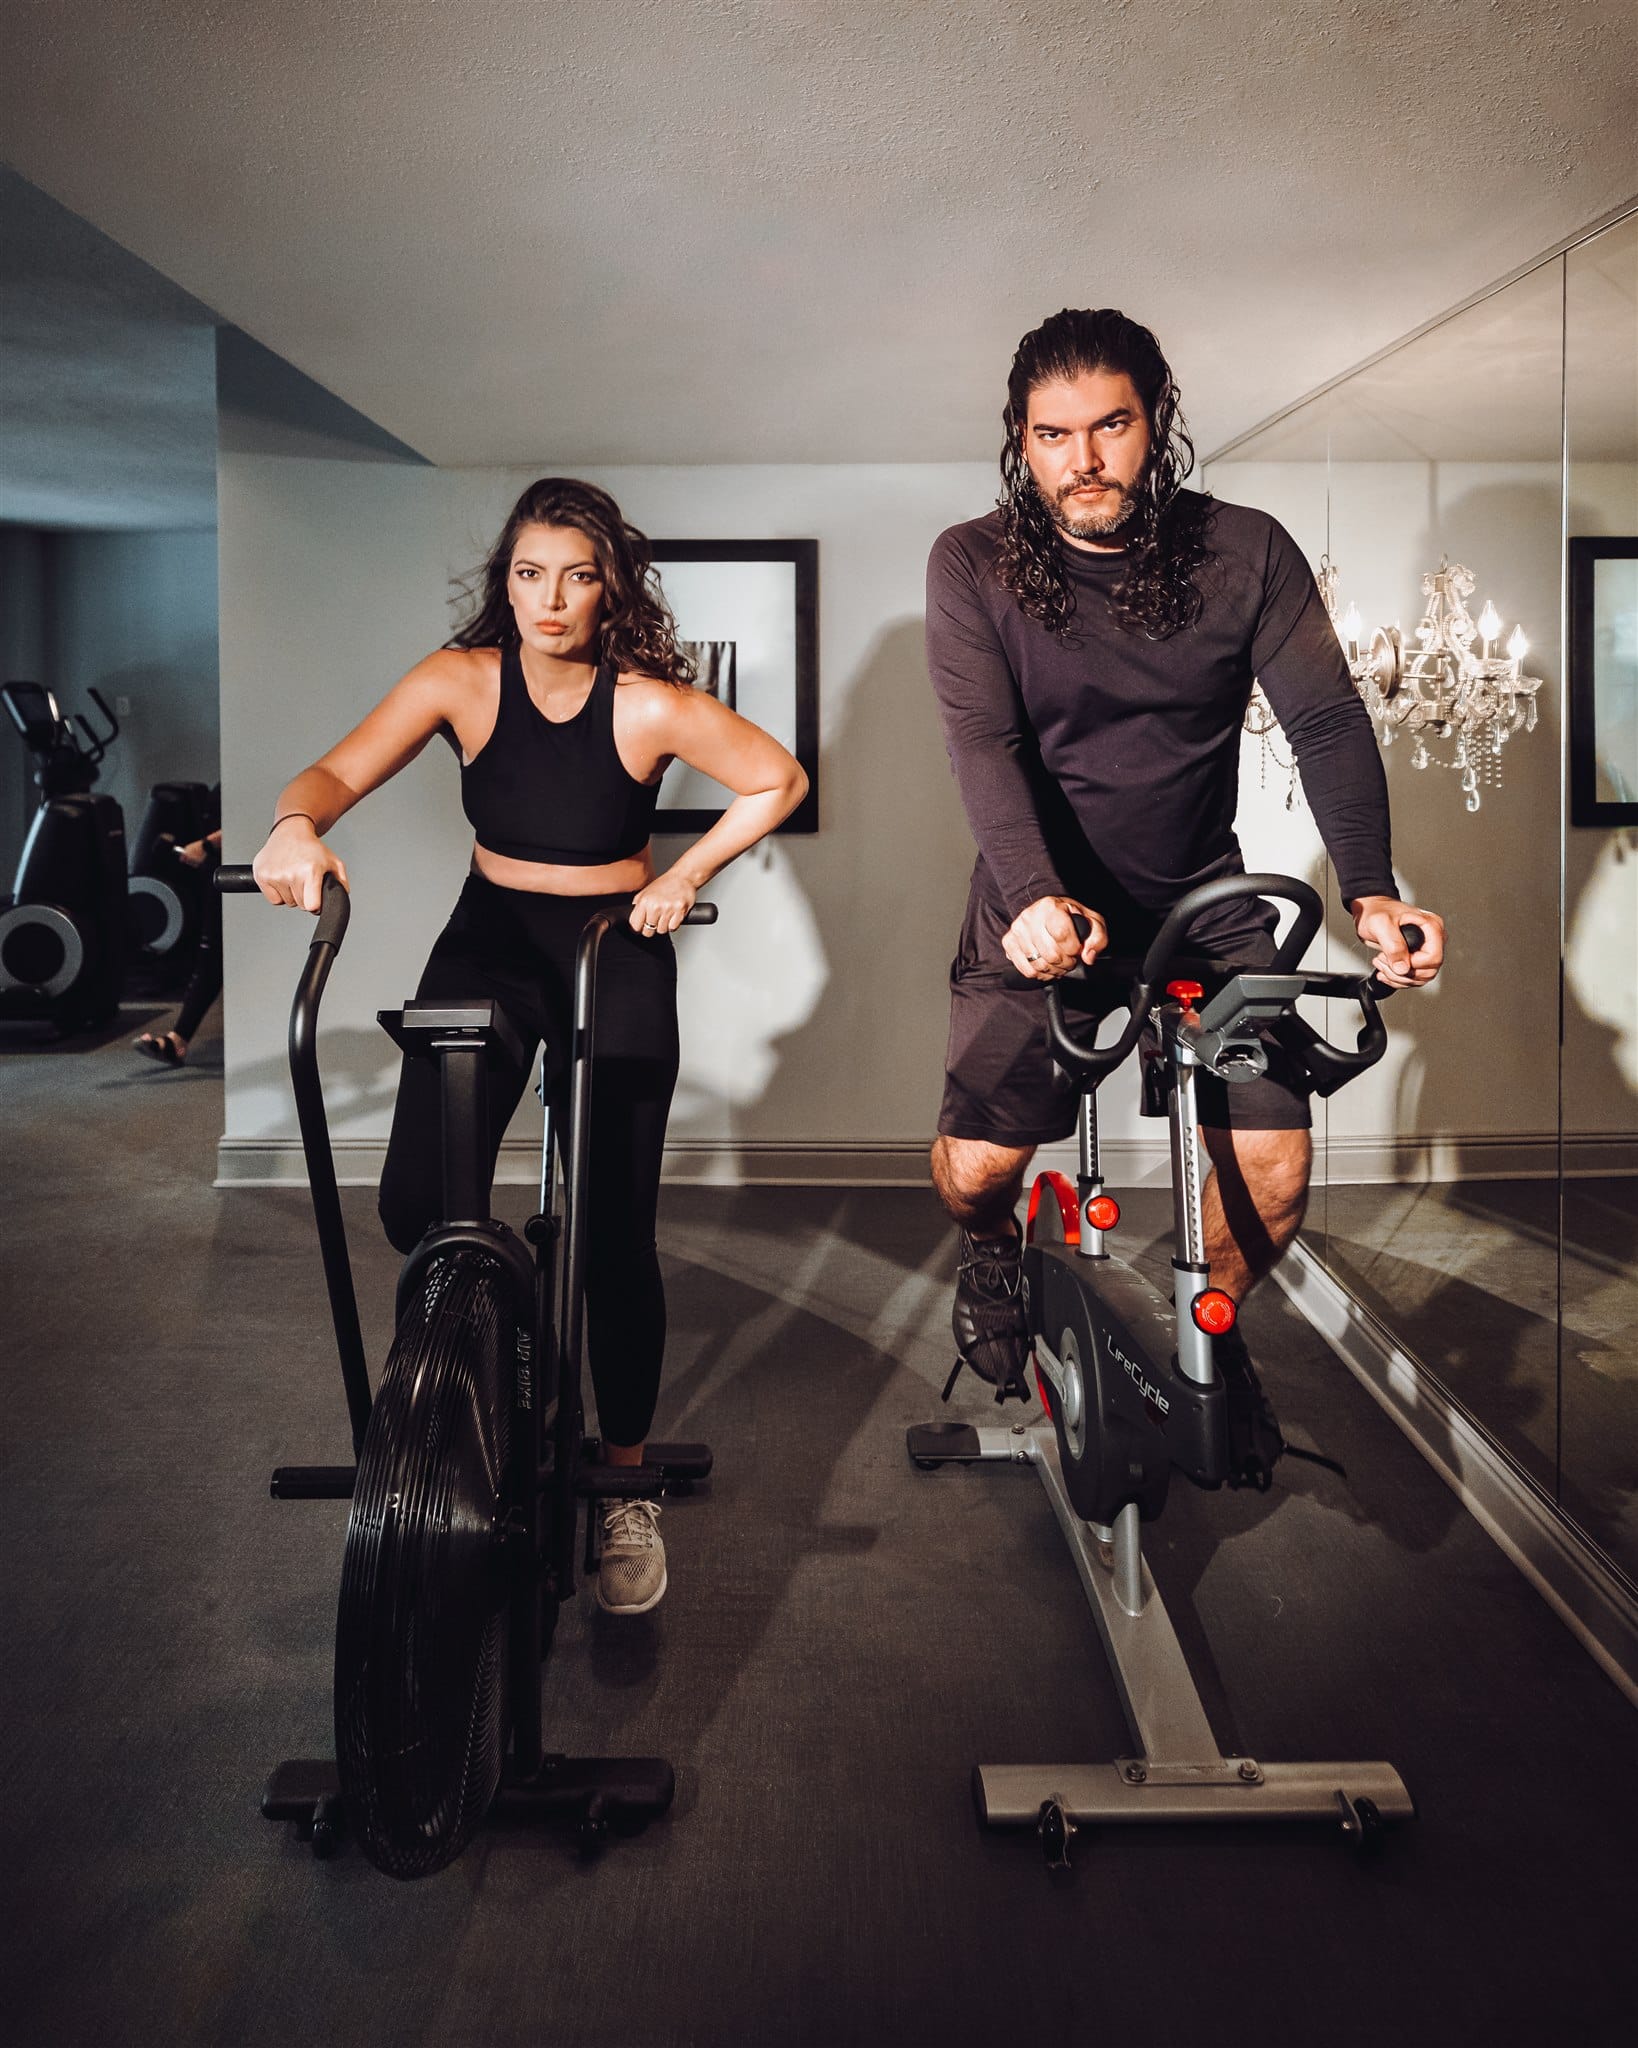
x: 421, y: 1628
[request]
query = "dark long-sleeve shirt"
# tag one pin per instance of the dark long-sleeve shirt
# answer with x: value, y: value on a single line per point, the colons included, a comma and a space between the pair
x: 1100, y: 753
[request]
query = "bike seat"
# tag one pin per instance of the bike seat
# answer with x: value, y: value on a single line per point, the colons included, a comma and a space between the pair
x: 443, y: 1024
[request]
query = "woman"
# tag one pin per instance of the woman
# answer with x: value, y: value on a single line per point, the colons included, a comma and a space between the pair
x: 566, y: 698
x: 170, y: 1048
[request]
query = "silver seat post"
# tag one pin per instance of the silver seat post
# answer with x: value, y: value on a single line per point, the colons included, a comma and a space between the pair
x: 1090, y: 1182
x: 1190, y: 1275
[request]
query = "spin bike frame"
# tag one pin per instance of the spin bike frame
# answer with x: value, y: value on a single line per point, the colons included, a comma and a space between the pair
x: 552, y: 1470
x: 1149, y: 1398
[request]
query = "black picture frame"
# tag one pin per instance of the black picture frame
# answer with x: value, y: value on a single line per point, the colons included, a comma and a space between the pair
x: 801, y: 727
x: 1589, y: 660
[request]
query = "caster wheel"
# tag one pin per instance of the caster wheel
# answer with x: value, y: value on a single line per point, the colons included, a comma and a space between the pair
x: 326, y: 1834
x: 1371, y: 1826
x: 1057, y: 1832
x: 594, y: 1829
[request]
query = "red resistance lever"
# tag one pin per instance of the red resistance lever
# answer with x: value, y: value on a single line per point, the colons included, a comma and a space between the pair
x: 1188, y: 993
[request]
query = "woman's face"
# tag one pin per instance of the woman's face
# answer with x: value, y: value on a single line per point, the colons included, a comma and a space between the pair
x: 556, y: 591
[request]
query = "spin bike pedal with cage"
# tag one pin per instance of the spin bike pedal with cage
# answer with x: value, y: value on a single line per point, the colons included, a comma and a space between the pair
x: 472, y: 1464
x: 1129, y: 1385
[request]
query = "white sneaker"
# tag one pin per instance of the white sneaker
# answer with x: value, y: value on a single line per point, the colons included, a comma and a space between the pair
x: 631, y: 1574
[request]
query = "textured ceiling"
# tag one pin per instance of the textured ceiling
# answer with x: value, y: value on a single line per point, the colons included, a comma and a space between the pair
x: 696, y: 231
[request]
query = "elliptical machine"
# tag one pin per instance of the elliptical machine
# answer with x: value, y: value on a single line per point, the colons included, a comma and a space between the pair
x: 472, y: 1462
x: 1128, y: 1384
x: 63, y: 931
x: 169, y: 901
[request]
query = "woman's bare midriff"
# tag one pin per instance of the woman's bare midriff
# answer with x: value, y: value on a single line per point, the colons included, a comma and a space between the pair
x: 544, y: 878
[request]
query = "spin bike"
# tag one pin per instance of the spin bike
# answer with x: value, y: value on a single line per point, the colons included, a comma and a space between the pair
x: 1128, y: 1384
x: 471, y: 1465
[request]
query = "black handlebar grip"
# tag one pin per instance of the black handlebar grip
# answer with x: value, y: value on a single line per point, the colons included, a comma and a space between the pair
x: 702, y: 913
x: 1412, y: 934
x: 335, y: 906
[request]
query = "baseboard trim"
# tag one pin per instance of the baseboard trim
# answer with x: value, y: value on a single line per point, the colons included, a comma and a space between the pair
x: 1580, y: 1586
x: 892, y: 1163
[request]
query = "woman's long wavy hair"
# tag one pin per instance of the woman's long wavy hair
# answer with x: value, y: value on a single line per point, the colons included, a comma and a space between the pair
x: 1165, y: 535
x: 637, y: 632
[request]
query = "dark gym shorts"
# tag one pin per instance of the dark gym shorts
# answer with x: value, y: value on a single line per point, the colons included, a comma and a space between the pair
x: 1001, y: 1083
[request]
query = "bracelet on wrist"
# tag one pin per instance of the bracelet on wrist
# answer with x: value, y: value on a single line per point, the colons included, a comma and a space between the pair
x: 285, y: 820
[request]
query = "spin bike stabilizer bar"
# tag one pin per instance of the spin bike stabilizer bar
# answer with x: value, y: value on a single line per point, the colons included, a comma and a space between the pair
x: 320, y: 1482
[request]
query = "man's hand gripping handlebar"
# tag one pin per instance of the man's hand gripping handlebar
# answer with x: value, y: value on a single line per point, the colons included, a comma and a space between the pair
x: 1225, y: 1038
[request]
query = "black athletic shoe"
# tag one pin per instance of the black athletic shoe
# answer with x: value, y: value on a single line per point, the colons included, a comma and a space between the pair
x: 1255, y: 1441
x: 988, y: 1319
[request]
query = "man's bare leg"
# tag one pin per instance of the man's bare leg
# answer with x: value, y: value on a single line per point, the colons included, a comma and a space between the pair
x: 979, y: 1183
x: 1253, y: 1203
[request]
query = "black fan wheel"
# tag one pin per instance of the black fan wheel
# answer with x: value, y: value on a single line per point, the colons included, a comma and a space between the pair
x: 421, y: 1631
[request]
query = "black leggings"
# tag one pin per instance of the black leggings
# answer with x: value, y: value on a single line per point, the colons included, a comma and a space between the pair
x: 205, y: 983
x: 519, y: 948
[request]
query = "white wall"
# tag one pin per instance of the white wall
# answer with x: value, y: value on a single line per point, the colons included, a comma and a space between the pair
x: 814, y: 1014
x: 134, y: 614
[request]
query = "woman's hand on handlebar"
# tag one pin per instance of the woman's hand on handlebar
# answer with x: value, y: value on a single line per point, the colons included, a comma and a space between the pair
x: 292, y: 865
x: 1377, y: 919
x: 1043, y: 944
x: 661, y: 905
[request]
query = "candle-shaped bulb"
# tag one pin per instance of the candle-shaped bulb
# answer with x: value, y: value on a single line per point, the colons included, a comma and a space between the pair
x: 1489, y: 623
x: 1352, y: 624
x: 1517, y: 646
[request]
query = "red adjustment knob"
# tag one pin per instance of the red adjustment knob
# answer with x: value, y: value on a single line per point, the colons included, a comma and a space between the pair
x: 1188, y: 993
x: 1214, y: 1312
x: 1102, y: 1212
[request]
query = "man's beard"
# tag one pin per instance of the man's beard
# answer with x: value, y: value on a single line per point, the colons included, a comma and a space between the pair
x: 1092, y: 525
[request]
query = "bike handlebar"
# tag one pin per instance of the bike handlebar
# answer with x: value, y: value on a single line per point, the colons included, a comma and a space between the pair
x: 337, y: 905
x: 1164, y: 958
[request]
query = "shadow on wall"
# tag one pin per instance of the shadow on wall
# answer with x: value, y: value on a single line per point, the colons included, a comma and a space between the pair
x: 360, y: 1074
x: 852, y: 957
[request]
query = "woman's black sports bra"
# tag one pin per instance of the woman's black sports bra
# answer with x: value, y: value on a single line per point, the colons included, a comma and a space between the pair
x: 537, y: 790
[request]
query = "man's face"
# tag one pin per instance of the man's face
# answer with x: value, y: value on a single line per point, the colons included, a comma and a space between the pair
x: 1086, y: 440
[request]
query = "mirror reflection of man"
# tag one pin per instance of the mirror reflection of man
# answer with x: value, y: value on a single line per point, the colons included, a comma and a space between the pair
x: 1092, y: 644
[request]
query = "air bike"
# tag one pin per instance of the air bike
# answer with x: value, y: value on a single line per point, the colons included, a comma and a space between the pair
x: 1129, y: 1387
x: 471, y: 1465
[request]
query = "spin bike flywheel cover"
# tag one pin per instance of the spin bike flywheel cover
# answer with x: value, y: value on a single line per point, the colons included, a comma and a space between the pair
x: 421, y: 1630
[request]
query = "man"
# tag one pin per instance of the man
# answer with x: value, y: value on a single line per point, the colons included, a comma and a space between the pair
x: 1092, y: 643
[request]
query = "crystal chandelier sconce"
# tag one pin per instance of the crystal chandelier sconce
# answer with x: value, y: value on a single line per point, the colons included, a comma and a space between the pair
x: 1437, y: 687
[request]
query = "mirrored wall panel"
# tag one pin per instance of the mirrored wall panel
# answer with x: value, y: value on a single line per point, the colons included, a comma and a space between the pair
x: 1599, y: 1394
x: 1480, y: 1188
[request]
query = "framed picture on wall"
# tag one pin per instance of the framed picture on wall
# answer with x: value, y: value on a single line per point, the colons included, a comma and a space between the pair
x: 1604, y: 680
x: 748, y: 613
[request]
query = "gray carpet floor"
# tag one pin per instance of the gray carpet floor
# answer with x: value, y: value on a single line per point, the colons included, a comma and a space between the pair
x: 843, y: 1638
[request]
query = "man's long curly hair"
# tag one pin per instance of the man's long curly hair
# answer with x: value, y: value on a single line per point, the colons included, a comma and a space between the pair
x: 637, y: 632
x: 1165, y: 534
